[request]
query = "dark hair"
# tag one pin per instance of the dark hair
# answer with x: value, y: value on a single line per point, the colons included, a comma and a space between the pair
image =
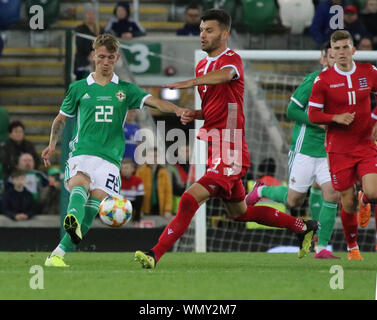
x: 267, y: 167
x: 125, y: 5
x: 15, y: 124
x: 192, y: 5
x: 341, y: 35
x: 129, y: 161
x: 17, y: 173
x: 221, y: 16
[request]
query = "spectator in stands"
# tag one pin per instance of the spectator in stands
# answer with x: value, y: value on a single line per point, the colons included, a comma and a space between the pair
x: 50, y: 195
x: 365, y: 44
x: 121, y: 25
x: 369, y: 18
x: 130, y: 133
x: 182, y: 174
x: 192, y: 21
x: 1, y: 45
x: 14, y: 147
x: 4, y: 123
x: 320, y: 28
x: 158, y: 189
x: 132, y: 187
x: 35, y: 179
x: 18, y: 203
x: 84, y: 50
x: 353, y: 24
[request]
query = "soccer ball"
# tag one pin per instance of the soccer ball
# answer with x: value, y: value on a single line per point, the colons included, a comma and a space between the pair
x: 115, y: 211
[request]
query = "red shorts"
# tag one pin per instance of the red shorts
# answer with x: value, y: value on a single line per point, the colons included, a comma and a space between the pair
x: 347, y: 168
x: 223, y: 180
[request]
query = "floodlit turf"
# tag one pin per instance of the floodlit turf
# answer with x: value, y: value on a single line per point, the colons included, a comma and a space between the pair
x: 203, y: 276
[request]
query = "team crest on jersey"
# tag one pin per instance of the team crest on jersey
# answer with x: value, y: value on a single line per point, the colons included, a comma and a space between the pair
x: 229, y: 54
x: 363, y: 82
x: 121, y: 95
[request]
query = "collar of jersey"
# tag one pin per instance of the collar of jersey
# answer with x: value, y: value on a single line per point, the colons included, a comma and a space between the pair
x: 345, y: 73
x: 215, y: 58
x: 90, y: 80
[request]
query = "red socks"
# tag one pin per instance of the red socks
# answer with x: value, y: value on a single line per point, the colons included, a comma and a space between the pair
x: 350, y: 227
x: 177, y: 227
x: 271, y: 217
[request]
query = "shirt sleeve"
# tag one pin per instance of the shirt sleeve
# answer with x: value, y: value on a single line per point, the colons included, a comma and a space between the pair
x: 137, y: 97
x: 232, y: 60
x: 70, y: 103
x: 317, y: 102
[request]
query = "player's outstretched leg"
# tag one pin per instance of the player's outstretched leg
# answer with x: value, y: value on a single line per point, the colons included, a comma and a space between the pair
x: 56, y: 258
x: 253, y: 197
x: 350, y: 228
x: 274, y: 218
x: 173, y: 231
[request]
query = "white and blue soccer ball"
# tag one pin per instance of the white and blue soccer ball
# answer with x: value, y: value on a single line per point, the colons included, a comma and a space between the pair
x: 115, y: 211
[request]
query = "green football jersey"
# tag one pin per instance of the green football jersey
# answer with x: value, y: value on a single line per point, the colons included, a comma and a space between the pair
x: 307, y: 138
x: 100, y: 113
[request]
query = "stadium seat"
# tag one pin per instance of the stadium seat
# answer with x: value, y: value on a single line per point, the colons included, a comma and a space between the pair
x: 9, y: 12
x: 51, y: 9
x: 228, y: 5
x: 296, y: 14
x: 258, y: 15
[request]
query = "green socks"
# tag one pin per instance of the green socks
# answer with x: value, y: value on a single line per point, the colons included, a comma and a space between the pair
x: 77, y: 200
x: 315, y: 202
x: 91, y: 210
x: 276, y: 193
x: 327, y: 221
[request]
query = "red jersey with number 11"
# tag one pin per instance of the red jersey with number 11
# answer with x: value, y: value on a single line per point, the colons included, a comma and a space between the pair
x: 222, y: 104
x: 335, y: 92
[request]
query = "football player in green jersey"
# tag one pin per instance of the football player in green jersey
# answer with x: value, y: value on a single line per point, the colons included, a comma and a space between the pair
x: 308, y: 167
x: 100, y: 104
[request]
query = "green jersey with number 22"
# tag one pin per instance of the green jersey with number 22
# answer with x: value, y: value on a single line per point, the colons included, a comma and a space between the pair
x: 100, y: 113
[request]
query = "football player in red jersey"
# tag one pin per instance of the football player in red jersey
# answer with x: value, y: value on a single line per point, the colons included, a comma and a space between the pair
x: 220, y: 82
x: 341, y: 99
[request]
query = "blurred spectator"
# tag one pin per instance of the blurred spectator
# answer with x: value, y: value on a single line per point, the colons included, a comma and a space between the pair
x: 1, y: 45
x: 320, y: 29
x: 121, y: 25
x: 132, y: 187
x: 182, y: 174
x: 50, y: 195
x: 14, y: 147
x: 369, y: 18
x: 35, y: 180
x: 4, y: 123
x: 192, y: 21
x: 17, y: 203
x: 365, y: 44
x: 158, y: 189
x: 353, y: 24
x: 84, y: 50
x: 130, y: 133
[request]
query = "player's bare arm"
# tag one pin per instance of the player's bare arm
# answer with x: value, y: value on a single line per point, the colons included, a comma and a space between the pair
x: 56, y: 131
x: 191, y: 115
x: 164, y: 106
x: 212, y: 78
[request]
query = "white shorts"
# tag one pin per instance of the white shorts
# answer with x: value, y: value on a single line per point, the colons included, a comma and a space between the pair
x: 304, y: 170
x: 103, y: 174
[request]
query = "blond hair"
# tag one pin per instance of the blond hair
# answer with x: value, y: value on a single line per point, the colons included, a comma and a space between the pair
x: 108, y: 41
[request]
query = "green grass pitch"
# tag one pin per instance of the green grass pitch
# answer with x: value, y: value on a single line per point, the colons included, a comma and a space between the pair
x: 182, y: 276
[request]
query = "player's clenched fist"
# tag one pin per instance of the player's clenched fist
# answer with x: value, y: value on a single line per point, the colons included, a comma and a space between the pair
x: 344, y: 118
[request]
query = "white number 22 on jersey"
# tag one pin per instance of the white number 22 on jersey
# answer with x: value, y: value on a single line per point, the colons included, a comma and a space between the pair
x: 104, y: 113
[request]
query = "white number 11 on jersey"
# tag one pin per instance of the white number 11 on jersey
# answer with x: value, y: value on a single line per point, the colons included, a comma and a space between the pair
x: 351, y: 97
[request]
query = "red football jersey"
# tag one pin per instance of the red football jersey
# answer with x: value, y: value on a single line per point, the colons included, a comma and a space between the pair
x: 335, y: 92
x: 222, y: 104
x: 132, y: 187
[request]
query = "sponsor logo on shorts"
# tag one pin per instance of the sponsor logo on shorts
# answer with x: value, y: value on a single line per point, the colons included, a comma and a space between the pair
x: 293, y: 180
